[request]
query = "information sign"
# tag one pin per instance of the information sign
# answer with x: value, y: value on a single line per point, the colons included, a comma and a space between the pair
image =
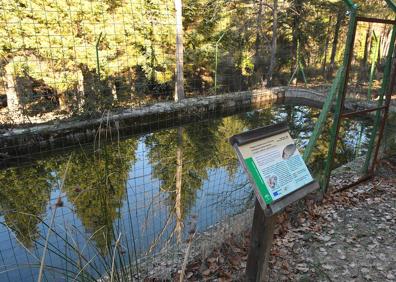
x: 274, y: 165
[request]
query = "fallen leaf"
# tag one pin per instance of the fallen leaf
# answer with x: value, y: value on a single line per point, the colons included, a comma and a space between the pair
x: 235, y: 260
x: 212, y: 260
x: 206, y: 272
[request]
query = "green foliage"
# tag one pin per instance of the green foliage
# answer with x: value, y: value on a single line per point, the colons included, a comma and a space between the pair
x: 24, y: 194
x: 54, y: 41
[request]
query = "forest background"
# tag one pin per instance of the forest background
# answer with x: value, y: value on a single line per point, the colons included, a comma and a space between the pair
x: 82, y: 57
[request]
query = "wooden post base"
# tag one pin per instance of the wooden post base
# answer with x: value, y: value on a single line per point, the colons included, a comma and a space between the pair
x: 261, y: 241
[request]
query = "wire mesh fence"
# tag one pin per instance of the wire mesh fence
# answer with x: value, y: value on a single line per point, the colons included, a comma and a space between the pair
x: 60, y: 59
x: 120, y: 198
x: 74, y: 55
x: 125, y: 205
x: 68, y: 57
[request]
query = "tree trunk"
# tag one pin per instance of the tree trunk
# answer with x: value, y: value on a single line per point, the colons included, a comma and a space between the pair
x: 273, y: 44
x: 80, y: 90
x: 179, y: 87
x: 179, y: 173
x: 131, y: 84
x: 367, y: 44
x: 363, y: 63
x: 258, y: 36
x: 89, y: 87
x: 326, y: 48
x: 340, y: 18
x: 386, y: 41
x: 113, y: 88
x: 296, y: 31
x: 63, y: 102
x: 13, y: 102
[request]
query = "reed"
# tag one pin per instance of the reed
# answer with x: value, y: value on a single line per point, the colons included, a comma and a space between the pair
x: 86, y: 261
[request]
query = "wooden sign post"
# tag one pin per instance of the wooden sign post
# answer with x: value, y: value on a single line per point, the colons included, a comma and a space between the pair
x: 279, y: 177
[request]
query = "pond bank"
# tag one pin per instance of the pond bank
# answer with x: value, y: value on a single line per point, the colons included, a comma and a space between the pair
x: 22, y: 139
x: 17, y: 141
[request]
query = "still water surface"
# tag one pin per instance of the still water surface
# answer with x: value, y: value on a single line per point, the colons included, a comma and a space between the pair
x: 146, y: 187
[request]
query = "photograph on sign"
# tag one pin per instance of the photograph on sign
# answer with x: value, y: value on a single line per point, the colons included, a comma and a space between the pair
x: 275, y: 165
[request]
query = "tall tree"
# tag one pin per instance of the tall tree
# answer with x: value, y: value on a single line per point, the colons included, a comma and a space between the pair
x: 337, y: 28
x: 259, y: 35
x: 326, y: 47
x: 14, y: 105
x: 297, y: 15
x: 363, y: 63
x: 179, y: 87
x: 274, y: 43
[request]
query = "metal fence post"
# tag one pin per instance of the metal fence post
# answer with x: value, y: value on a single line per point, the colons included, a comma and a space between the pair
x: 384, y: 90
x: 341, y: 95
x: 97, y: 54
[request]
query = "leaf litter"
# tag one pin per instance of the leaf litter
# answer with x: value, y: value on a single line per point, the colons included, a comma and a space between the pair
x: 345, y: 236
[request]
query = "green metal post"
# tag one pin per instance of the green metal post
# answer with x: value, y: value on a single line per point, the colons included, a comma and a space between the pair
x: 216, y: 59
x: 291, y: 78
x: 350, y: 4
x: 374, y: 60
x: 384, y: 90
x: 391, y: 5
x: 299, y: 66
x: 97, y: 54
x: 303, y: 74
x: 323, y: 115
x: 341, y: 95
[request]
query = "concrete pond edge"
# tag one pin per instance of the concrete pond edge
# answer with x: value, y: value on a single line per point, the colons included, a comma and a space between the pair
x: 128, y: 122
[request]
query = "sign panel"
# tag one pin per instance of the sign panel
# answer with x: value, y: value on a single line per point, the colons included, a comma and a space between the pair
x: 274, y: 164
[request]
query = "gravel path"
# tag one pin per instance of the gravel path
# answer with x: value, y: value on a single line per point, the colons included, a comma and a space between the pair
x: 356, y: 242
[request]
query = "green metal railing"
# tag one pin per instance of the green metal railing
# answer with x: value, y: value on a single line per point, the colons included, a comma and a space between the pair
x: 384, y: 90
x: 340, y: 97
x: 339, y: 88
x: 391, y: 5
x: 319, y: 125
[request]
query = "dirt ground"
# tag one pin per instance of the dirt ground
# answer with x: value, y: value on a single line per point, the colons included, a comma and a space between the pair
x: 348, y: 236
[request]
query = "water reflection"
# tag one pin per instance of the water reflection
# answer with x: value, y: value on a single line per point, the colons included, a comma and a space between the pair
x: 150, y: 185
x: 24, y: 194
x: 95, y: 186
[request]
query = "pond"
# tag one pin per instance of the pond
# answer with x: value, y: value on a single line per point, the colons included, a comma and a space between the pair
x: 146, y: 188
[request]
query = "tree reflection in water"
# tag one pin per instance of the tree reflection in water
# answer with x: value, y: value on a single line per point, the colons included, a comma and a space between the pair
x: 95, y: 186
x: 170, y: 174
x: 24, y: 194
